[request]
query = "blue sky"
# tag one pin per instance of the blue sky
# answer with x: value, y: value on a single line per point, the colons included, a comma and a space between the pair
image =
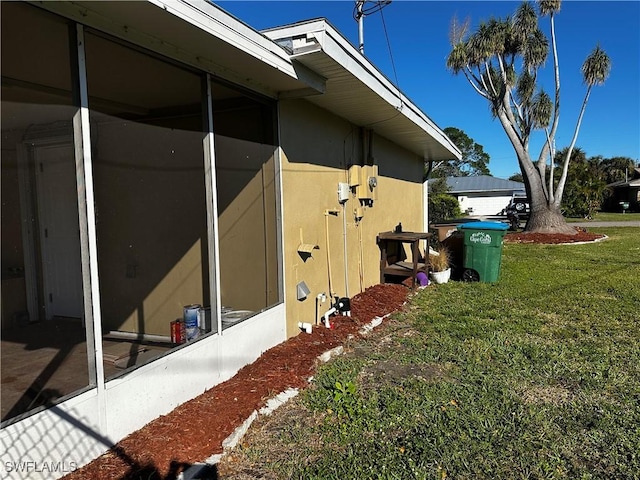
x: 418, y: 42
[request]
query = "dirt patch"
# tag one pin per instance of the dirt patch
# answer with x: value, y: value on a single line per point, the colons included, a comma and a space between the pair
x: 272, y: 440
x: 390, y: 372
x: 554, y: 395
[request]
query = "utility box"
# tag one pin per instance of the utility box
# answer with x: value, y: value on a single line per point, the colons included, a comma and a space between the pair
x: 343, y: 192
x: 368, y: 183
x: 354, y: 175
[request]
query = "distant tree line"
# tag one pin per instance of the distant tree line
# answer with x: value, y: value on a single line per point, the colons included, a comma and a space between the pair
x: 474, y: 160
x: 586, y: 189
x: 587, y: 181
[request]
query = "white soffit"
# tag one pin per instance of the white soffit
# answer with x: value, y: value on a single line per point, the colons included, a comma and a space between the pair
x: 197, y: 33
x: 359, y: 92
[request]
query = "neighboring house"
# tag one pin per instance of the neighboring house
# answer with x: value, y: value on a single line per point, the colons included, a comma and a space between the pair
x: 159, y: 155
x: 625, y: 192
x: 483, y: 195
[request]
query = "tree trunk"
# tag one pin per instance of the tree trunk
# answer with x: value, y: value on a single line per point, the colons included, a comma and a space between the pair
x: 546, y: 218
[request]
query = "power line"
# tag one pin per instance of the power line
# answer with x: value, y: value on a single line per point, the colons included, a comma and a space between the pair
x: 360, y: 10
x: 393, y: 63
x: 379, y: 5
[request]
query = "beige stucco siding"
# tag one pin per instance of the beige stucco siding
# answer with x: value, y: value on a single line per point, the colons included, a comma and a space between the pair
x: 317, y: 150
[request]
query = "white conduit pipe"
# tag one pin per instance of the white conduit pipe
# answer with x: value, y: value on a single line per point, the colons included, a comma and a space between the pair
x: 326, y: 233
x: 360, y: 255
x: 327, y: 314
x: 146, y: 337
x: 344, y: 241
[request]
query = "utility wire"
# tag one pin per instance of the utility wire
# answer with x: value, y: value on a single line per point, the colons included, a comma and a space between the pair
x: 393, y: 63
x: 379, y: 5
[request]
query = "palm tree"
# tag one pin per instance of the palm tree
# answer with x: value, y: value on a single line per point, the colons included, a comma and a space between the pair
x: 501, y: 61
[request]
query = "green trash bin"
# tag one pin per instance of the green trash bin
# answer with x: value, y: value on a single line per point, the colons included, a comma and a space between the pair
x: 482, y: 250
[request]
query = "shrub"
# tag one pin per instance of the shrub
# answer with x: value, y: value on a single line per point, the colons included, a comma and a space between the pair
x: 443, y: 207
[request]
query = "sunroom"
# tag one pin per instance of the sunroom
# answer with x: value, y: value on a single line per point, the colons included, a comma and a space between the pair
x: 139, y: 180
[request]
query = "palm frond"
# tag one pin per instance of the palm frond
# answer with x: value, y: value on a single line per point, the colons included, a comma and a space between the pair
x: 549, y: 7
x: 541, y: 110
x: 535, y: 49
x: 525, y: 21
x: 596, y: 67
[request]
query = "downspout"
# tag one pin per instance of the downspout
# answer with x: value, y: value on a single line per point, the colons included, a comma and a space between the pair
x: 363, y: 134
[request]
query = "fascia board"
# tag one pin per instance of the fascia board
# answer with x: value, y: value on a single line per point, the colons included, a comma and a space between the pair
x: 220, y: 24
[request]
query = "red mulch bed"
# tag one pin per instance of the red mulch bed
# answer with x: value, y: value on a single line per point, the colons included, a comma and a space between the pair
x: 195, y: 430
x: 552, y: 238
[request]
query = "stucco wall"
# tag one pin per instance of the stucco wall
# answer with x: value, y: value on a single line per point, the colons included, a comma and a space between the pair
x: 317, y: 149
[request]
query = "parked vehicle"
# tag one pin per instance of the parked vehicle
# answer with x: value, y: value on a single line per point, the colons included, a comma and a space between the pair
x: 516, y: 210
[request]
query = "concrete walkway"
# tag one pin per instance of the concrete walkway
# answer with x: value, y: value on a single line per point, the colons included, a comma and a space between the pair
x: 585, y: 224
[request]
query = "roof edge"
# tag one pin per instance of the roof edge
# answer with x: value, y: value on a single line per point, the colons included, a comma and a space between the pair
x: 334, y: 44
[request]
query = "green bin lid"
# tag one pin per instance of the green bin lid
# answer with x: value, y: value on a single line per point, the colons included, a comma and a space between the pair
x: 484, y: 226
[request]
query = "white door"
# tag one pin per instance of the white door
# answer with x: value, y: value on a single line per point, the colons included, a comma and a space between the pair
x: 57, y: 194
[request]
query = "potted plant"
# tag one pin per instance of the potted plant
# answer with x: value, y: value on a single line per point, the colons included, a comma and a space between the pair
x: 439, y: 262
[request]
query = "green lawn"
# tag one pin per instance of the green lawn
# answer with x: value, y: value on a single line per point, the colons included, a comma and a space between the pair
x: 537, y: 376
x: 609, y: 217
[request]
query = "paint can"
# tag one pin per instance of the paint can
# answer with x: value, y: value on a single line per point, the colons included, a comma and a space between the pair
x: 177, y: 331
x: 190, y: 316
